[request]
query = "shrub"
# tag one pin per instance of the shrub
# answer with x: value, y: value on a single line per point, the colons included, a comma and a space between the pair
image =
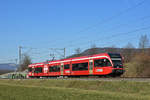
x: 139, y: 66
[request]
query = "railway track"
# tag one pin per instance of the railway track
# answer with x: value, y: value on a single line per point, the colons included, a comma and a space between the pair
x: 108, y: 79
x: 112, y: 79
x: 140, y: 79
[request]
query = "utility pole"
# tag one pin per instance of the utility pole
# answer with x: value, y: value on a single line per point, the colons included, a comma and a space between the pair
x: 20, y: 56
x: 64, y: 52
x: 53, y: 56
x: 57, y: 51
x: 16, y: 61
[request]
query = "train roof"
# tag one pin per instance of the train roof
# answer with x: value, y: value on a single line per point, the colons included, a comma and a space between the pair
x: 75, y: 59
x: 36, y: 64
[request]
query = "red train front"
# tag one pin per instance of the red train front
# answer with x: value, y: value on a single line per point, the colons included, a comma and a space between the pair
x: 95, y: 65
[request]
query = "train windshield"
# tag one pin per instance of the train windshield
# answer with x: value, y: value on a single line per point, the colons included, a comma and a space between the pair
x: 114, y: 55
x: 117, y: 63
x: 116, y: 60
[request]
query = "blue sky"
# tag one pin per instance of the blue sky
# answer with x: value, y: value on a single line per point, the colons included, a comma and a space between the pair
x: 44, y: 24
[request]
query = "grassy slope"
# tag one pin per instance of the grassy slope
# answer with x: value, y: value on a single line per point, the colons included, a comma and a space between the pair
x: 73, y: 90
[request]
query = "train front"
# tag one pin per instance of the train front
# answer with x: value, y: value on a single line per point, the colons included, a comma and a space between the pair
x: 117, y: 62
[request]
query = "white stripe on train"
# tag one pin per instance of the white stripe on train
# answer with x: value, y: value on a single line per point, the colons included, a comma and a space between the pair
x: 78, y: 59
x: 72, y: 60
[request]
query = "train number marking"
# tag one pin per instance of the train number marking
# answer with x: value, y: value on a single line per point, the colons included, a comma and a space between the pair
x: 99, y: 70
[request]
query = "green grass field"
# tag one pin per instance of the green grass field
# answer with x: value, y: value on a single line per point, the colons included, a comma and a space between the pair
x: 73, y: 90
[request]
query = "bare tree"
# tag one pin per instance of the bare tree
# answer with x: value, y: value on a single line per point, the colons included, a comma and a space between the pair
x: 77, y: 51
x: 144, y: 42
x: 25, y: 62
x: 129, y: 45
x: 128, y: 52
x: 113, y: 46
x: 93, y: 46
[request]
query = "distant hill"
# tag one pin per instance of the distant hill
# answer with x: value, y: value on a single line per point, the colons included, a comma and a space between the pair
x: 8, y: 66
x: 92, y: 51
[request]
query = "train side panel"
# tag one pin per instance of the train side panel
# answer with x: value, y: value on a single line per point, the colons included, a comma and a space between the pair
x: 80, y: 66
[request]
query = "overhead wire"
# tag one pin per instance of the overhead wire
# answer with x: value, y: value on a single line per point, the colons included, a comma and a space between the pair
x: 83, y: 45
x: 114, y: 28
x: 110, y: 18
x: 106, y: 20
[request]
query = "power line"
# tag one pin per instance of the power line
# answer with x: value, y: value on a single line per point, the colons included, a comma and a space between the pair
x: 9, y: 60
x: 114, y: 16
x: 116, y: 27
x: 118, y: 41
x: 115, y: 35
x: 56, y: 50
x: 108, y: 19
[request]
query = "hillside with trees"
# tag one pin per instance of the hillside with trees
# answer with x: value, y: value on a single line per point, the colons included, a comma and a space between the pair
x: 136, y: 60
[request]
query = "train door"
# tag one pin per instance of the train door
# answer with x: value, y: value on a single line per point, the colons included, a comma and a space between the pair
x: 90, y: 67
x: 67, y: 69
x: 45, y: 69
x: 33, y: 71
x: 62, y: 69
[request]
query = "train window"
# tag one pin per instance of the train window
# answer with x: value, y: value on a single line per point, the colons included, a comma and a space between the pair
x: 80, y: 66
x: 102, y: 63
x: 50, y: 69
x: 66, y: 66
x: 30, y: 69
x: 38, y: 70
x: 54, y: 69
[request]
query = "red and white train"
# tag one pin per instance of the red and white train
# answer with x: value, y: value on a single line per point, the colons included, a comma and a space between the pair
x: 95, y: 65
